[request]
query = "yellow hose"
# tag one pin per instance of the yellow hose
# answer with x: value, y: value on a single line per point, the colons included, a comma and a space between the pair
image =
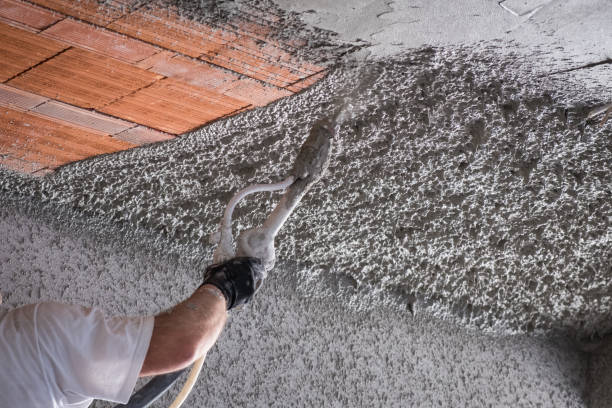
x: 191, y: 380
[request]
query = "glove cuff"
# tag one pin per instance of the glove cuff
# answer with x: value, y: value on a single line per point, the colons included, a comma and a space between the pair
x: 238, y: 279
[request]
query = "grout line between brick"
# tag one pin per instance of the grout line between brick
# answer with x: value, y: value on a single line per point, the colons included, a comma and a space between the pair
x: 38, y: 64
x: 51, y: 25
x: 131, y: 93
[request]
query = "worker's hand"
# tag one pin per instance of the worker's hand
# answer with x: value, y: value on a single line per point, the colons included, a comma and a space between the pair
x: 238, y: 279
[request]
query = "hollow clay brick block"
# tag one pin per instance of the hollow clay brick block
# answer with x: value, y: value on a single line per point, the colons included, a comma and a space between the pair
x: 256, y: 93
x: 254, y: 66
x: 37, y: 139
x: 20, y: 50
x: 141, y: 135
x: 19, y: 165
x: 166, y: 29
x: 92, y: 120
x: 173, y: 106
x: 100, y: 40
x: 194, y: 72
x: 84, y: 79
x: 92, y: 11
x: 28, y: 14
x: 155, y: 59
x: 10, y: 96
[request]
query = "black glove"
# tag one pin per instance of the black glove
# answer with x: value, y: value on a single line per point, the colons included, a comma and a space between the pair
x: 238, y: 279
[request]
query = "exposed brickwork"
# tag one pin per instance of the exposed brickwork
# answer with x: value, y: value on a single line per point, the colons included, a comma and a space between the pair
x: 173, y: 106
x: 129, y: 69
x: 20, y: 50
x: 84, y: 79
x: 82, y: 117
x: 102, y: 41
x: 35, y: 139
x: 13, y: 97
x: 27, y: 14
x: 141, y: 135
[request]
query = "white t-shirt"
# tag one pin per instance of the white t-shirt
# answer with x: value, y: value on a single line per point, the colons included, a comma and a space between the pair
x: 56, y: 355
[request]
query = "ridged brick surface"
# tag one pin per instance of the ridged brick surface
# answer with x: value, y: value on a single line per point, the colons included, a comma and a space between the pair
x: 28, y: 14
x: 20, y: 50
x: 173, y: 106
x: 84, y: 78
x: 102, y: 41
x: 135, y: 70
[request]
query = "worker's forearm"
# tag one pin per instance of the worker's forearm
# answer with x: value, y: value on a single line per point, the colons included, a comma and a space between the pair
x: 185, y: 333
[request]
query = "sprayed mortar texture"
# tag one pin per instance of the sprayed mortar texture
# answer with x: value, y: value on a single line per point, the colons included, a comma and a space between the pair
x: 285, y: 350
x: 463, y: 183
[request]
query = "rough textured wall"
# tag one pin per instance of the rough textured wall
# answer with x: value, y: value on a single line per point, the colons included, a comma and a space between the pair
x: 287, y: 349
x: 599, y: 376
x: 463, y: 183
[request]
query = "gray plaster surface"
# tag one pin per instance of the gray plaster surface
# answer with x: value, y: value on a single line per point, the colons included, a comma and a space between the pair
x: 463, y: 183
x: 599, y: 375
x: 286, y: 349
x: 577, y: 28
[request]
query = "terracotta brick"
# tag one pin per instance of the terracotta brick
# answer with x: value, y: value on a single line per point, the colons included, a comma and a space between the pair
x: 166, y: 29
x: 10, y: 96
x: 194, y: 72
x: 20, y: 50
x: 100, y: 40
x: 173, y: 106
x: 155, y: 59
x: 251, y: 65
x: 28, y: 14
x: 255, y: 93
x: 141, y: 135
x: 92, y: 11
x: 18, y: 25
x: 84, y: 79
x: 19, y: 165
x: 82, y: 117
x: 35, y: 139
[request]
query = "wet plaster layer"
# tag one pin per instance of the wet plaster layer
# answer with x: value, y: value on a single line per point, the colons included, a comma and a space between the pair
x: 463, y: 183
x: 576, y: 32
x: 599, y: 379
x: 286, y: 349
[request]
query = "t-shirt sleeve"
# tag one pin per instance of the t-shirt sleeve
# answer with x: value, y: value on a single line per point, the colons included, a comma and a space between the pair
x: 87, y: 354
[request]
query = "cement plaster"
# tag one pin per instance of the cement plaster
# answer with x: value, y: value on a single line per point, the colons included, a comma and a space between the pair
x: 577, y: 28
x: 599, y: 376
x: 463, y: 183
x: 286, y: 349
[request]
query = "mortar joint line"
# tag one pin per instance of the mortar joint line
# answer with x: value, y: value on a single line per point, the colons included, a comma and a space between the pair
x: 51, y: 25
x: 38, y: 64
x: 131, y: 93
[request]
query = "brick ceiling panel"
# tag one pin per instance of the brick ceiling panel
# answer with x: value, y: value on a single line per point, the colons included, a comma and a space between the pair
x: 20, y: 50
x: 10, y: 96
x: 168, y: 31
x: 174, y: 107
x: 255, y: 93
x: 34, y: 138
x: 19, y: 165
x: 250, y: 66
x: 194, y: 72
x: 28, y: 14
x: 84, y: 79
x: 100, y: 40
x: 92, y: 11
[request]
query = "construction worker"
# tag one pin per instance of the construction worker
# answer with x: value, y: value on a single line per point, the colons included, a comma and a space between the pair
x: 57, y: 355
